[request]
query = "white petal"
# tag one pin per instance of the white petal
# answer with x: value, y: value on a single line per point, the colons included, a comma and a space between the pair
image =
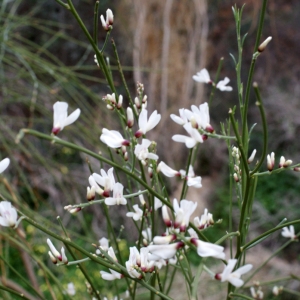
x: 236, y: 281
x: 153, y: 120
x: 143, y: 119
x: 72, y: 117
x: 244, y: 269
x: 202, y: 76
x: 4, y: 164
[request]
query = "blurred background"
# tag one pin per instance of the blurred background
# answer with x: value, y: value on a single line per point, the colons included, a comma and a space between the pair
x: 45, y: 57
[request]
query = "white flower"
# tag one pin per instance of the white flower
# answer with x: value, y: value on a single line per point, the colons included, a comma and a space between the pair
x: 233, y: 277
x: 94, y: 187
x: 110, y: 276
x: 104, y: 243
x: 205, y: 249
x: 194, y: 182
x: 4, y: 163
x: 113, y: 138
x: 199, y: 117
x: 166, y: 170
x: 146, y: 125
x: 61, y: 118
x: 182, y: 119
x: 133, y: 263
x: 163, y: 240
x: 256, y: 294
x: 56, y: 254
x: 183, y: 212
x: 205, y: 220
x: 191, y: 179
x: 277, y: 290
x: 147, y: 235
x: 8, y: 214
x: 222, y: 85
x: 202, y: 76
x: 107, y: 24
x: 112, y: 102
x: 106, y: 180
x: 289, y: 232
x: 112, y: 254
x: 190, y: 141
x: 146, y: 264
x: 157, y: 203
x: 71, y: 289
x: 117, y: 198
x: 271, y: 161
x: 164, y: 251
x: 137, y: 215
x: 142, y: 153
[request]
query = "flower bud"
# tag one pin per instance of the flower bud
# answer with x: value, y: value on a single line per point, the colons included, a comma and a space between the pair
x: 235, y: 177
x: 91, y: 193
x: 251, y: 158
x: 150, y: 172
x: 137, y: 102
x: 130, y: 118
x: 287, y: 163
x: 264, y: 44
x: 107, y: 24
x: 271, y: 161
x: 120, y: 102
x: 126, y: 156
x: 166, y: 216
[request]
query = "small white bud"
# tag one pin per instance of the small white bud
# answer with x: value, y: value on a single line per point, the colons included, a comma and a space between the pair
x: 137, y: 102
x: 287, y: 163
x: 91, y: 193
x: 236, y: 177
x: 120, y: 102
x: 251, y: 158
x: 130, y: 118
x: 271, y: 161
x: 264, y: 44
x: 281, y: 162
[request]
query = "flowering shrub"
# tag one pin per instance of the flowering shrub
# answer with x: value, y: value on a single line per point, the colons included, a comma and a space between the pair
x: 142, y: 189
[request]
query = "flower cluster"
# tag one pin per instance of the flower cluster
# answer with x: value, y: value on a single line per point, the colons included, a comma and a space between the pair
x: 8, y: 214
x: 55, y: 255
x: 192, y: 121
x: 203, y: 76
x: 190, y: 177
x: 103, y: 185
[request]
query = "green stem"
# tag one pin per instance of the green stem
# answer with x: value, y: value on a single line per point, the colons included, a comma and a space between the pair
x: 232, y: 295
x: 248, y: 245
x: 4, y: 288
x: 96, y: 20
x: 265, y: 262
x: 123, y: 79
x: 265, y: 129
x: 214, y: 86
x: 99, y: 55
x: 97, y: 156
x: 184, y: 187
